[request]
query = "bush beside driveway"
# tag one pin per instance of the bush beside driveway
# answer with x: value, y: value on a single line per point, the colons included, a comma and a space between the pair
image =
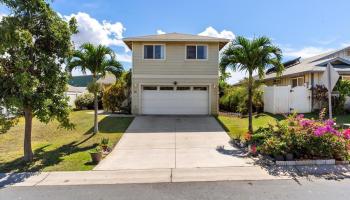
x: 236, y: 127
x: 59, y: 149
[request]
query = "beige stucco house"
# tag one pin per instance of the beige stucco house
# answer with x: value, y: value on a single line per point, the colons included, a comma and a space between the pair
x: 174, y: 74
x: 308, y: 72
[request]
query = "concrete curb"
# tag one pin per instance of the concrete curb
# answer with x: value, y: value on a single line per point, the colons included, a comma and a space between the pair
x: 137, y: 176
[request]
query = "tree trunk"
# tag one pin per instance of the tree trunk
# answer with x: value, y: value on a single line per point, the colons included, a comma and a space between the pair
x: 250, y: 102
x: 96, y: 113
x: 28, y: 153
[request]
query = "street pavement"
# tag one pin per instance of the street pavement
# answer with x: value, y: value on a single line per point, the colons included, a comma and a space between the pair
x: 269, y: 189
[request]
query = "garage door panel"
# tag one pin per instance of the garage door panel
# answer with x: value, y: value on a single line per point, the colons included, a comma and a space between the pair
x: 175, y: 102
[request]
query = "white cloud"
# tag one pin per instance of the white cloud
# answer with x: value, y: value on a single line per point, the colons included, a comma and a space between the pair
x: 123, y: 57
x: 160, y: 32
x: 93, y: 31
x: 210, y: 31
x: 235, y: 76
x: 305, y: 52
x: 2, y: 15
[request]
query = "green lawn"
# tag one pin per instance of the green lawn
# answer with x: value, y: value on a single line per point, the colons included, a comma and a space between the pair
x: 59, y: 149
x: 236, y: 126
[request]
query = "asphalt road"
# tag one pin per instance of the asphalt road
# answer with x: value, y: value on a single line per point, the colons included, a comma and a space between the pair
x: 281, y: 189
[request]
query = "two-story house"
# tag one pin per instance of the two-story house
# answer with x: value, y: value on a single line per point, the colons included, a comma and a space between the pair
x: 175, y: 74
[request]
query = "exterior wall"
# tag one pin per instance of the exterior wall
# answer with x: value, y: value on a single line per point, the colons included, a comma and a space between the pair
x: 175, y: 62
x: 285, y: 81
x: 173, y: 68
x: 72, y: 97
x: 137, y: 84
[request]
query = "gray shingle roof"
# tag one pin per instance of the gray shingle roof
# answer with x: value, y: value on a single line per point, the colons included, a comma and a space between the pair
x: 175, y: 37
x: 316, y: 64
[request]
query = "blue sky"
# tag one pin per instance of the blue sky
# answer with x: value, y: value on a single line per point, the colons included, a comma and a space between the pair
x: 300, y: 27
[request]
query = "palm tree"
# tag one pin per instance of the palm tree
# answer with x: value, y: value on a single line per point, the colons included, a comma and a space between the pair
x: 98, y: 60
x: 251, y: 56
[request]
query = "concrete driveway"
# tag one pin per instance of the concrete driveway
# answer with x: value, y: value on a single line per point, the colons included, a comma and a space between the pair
x: 158, y: 142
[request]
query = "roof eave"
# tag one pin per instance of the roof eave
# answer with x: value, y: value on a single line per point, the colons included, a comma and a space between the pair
x: 129, y: 41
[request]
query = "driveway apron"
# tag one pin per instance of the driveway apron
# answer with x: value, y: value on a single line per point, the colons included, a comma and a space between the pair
x: 158, y: 142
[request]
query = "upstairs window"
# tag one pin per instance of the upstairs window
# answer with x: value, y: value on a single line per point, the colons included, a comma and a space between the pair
x: 153, y: 52
x: 196, y: 52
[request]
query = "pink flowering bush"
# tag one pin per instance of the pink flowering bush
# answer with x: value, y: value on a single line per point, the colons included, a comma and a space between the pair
x: 304, y: 138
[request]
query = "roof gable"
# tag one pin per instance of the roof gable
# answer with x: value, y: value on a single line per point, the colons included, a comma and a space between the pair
x: 335, y: 61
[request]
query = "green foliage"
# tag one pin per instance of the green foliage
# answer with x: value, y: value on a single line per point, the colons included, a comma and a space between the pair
x: 114, y: 96
x: 94, y: 87
x: 304, y: 138
x: 34, y: 43
x: 85, y: 100
x: 251, y: 56
x: 235, y: 99
x: 223, y: 86
x: 343, y: 88
x: 98, y: 60
x: 104, y: 141
x: 6, y: 123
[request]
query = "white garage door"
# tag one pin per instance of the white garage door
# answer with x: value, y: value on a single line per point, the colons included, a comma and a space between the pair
x: 170, y: 100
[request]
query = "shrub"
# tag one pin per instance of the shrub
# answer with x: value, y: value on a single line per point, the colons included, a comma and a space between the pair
x: 320, y: 94
x: 343, y: 87
x: 235, y: 99
x: 114, y: 96
x: 304, y: 138
x: 84, y: 101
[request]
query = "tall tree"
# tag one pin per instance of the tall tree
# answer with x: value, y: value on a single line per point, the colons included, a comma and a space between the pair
x: 34, y: 43
x: 98, y: 60
x: 251, y: 56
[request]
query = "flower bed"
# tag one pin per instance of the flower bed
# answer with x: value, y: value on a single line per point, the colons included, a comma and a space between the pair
x: 299, y: 138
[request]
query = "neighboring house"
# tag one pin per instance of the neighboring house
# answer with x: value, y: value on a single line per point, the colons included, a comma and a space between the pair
x: 73, y: 92
x: 77, y: 85
x: 301, y: 74
x: 175, y: 74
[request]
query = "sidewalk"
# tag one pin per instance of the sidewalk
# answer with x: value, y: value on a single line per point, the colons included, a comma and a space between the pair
x: 247, y: 173
x: 136, y: 176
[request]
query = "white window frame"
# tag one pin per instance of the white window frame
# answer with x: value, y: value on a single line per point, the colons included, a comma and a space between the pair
x: 297, y: 78
x: 143, y: 51
x: 196, y: 59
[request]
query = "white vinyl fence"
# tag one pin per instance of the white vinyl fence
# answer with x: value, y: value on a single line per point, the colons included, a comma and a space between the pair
x: 285, y: 99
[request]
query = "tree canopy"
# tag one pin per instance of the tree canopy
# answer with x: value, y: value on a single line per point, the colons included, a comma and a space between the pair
x: 34, y: 44
x: 98, y: 60
x: 251, y: 56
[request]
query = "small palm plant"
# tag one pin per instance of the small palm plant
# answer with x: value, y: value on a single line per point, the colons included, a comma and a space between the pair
x: 98, y: 60
x: 251, y: 56
x: 104, y: 144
